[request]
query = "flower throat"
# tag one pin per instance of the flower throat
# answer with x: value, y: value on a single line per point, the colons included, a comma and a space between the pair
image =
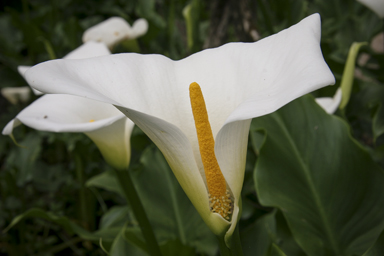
x: 219, y: 197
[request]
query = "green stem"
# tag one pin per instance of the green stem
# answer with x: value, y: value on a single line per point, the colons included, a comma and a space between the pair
x: 82, y: 192
x: 235, y: 250
x: 224, y: 250
x: 126, y: 184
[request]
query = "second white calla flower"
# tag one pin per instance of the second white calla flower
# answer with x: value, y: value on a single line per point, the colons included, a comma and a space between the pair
x: 108, y: 128
x: 115, y: 30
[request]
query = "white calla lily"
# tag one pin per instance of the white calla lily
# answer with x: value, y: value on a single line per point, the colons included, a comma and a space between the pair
x: 115, y: 30
x: 377, y: 6
x: 16, y: 94
x: 239, y: 81
x: 330, y: 104
x: 108, y: 128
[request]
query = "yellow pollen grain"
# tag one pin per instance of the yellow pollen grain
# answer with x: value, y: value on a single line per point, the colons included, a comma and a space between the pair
x: 218, y: 194
x: 92, y: 120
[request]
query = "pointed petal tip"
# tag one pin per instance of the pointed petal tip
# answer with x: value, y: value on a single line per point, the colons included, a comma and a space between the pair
x: 22, y: 69
x: 7, y: 130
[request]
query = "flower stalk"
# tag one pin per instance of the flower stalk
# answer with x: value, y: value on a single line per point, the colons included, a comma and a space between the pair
x: 128, y: 188
x: 235, y: 250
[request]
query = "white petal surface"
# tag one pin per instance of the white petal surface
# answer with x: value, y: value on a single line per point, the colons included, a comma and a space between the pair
x: 88, y: 50
x: 114, y: 142
x: 377, y: 6
x: 22, y: 70
x: 330, y: 104
x: 239, y: 81
x: 67, y: 113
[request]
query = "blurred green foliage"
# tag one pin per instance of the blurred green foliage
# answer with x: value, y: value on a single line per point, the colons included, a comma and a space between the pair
x: 42, y: 174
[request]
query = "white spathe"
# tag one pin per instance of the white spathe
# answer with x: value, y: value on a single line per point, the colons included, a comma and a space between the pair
x: 239, y: 81
x: 377, y: 6
x: 330, y: 104
x: 86, y: 50
x: 16, y: 94
x: 115, y: 30
x: 108, y: 128
x: 103, y: 123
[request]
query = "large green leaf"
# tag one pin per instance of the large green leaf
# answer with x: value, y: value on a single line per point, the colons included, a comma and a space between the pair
x: 378, y: 248
x: 257, y: 238
x: 327, y: 186
x: 121, y: 246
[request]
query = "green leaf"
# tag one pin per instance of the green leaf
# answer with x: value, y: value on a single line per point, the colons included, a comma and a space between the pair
x: 105, y: 234
x: 114, y: 217
x: 327, y: 186
x: 348, y: 74
x: 371, y: 98
x: 48, y: 47
x: 176, y: 248
x: 256, y: 239
x: 24, y: 158
x: 378, y: 121
x: 105, y: 180
x: 121, y: 247
x: 169, y: 210
x: 378, y: 248
x: 63, y: 221
x: 146, y: 9
x: 276, y: 251
x: 284, y: 238
x: 133, y: 235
